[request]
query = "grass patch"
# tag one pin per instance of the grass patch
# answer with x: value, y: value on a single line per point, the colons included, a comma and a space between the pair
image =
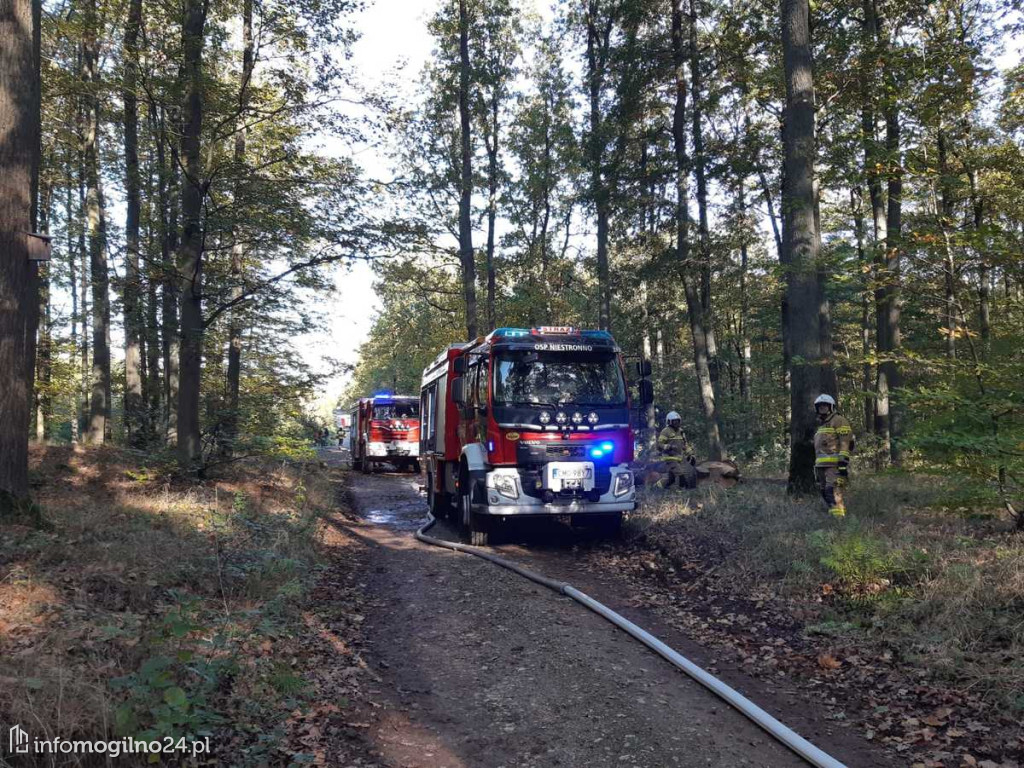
x: 157, y: 607
x: 919, y: 564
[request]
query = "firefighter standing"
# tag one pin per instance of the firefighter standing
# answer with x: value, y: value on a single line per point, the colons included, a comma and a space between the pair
x: 833, y: 444
x: 675, y: 451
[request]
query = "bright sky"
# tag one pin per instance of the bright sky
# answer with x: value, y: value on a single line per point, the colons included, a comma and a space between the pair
x: 394, y: 34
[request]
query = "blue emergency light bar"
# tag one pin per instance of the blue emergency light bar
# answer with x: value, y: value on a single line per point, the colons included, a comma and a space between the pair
x: 522, y: 333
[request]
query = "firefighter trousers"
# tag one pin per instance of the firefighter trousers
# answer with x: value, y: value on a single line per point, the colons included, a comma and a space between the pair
x: 831, y: 486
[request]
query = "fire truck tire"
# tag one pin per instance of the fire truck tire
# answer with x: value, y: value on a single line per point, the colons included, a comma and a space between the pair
x: 366, y: 465
x: 415, y: 467
x: 610, y: 526
x: 357, y: 464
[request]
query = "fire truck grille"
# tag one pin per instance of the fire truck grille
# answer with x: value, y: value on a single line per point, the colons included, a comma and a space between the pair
x: 566, y: 451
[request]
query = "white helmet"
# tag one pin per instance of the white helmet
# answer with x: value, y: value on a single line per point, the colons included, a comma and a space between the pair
x: 827, y: 400
x: 673, y: 416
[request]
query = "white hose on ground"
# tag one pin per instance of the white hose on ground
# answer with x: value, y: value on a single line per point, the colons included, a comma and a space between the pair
x: 786, y: 736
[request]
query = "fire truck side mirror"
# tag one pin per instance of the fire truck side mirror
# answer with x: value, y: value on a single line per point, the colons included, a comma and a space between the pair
x: 643, y: 369
x: 459, y: 365
x: 646, y: 392
x: 459, y: 390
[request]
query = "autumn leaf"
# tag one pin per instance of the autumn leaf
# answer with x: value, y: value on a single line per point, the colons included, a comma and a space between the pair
x: 827, y: 661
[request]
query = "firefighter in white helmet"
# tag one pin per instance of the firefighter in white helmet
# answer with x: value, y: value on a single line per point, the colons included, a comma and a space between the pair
x: 833, y: 444
x: 675, y: 452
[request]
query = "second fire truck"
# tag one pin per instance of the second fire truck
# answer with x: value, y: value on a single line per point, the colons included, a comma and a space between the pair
x: 529, y: 421
x: 386, y: 428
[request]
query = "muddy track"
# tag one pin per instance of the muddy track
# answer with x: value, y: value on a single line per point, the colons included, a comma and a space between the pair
x: 479, y: 667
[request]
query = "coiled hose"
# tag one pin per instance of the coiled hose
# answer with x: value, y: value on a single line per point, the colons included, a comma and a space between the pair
x: 749, y: 709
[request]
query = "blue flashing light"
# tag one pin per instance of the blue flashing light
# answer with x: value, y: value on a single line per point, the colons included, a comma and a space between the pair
x: 603, y: 335
x: 596, y: 453
x: 607, y: 447
x: 511, y: 333
x: 490, y: 446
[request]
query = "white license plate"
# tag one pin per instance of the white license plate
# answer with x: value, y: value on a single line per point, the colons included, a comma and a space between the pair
x: 569, y: 475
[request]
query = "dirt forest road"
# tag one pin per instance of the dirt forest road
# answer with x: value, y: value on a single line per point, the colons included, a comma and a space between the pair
x: 479, y: 667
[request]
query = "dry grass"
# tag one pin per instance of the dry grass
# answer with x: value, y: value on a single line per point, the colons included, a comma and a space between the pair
x: 907, y: 568
x: 134, y: 565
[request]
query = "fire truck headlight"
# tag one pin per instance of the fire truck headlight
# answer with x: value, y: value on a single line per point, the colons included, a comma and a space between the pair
x: 592, y: 418
x: 544, y: 418
x: 561, y: 418
x: 577, y: 418
x: 623, y: 483
x: 506, y: 486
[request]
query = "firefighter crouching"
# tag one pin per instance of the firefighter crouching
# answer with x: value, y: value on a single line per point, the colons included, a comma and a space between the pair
x: 676, y: 454
x: 833, y: 444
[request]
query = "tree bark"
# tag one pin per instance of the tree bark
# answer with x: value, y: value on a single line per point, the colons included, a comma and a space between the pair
x: 19, y: 173
x: 744, y: 329
x: 805, y: 300
x: 99, y: 403
x: 887, y: 297
x: 133, y: 313
x: 73, y: 255
x: 234, y: 374
x: 466, y: 254
x: 597, y: 47
x: 44, y: 343
x: 865, y: 308
x: 190, y: 254
x: 700, y: 174
x: 492, y: 204
x: 167, y: 195
x: 946, y: 213
x: 690, y: 272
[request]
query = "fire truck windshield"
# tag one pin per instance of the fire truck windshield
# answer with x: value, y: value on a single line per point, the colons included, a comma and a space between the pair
x: 396, y: 411
x: 551, y: 378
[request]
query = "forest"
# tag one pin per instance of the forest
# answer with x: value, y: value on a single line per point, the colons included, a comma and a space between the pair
x: 766, y: 200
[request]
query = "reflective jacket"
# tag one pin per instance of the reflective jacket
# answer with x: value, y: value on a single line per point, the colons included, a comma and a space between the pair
x: 672, y: 444
x: 833, y: 442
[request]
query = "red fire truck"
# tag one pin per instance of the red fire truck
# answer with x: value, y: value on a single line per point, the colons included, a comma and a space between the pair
x: 529, y: 421
x: 386, y: 428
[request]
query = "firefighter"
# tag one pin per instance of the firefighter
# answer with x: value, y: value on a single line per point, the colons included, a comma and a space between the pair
x: 833, y: 444
x: 675, y: 452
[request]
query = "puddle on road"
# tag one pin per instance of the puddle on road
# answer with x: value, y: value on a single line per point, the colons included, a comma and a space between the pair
x: 396, y: 518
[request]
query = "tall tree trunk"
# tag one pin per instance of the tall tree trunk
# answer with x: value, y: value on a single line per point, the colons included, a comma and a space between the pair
x: 19, y: 173
x: 73, y: 256
x: 865, y: 308
x: 99, y: 403
x: 690, y: 272
x: 492, y: 204
x: 83, y: 252
x: 133, y: 403
x: 945, y: 213
x: 234, y: 374
x: 810, y: 368
x: 596, y: 61
x: 466, y: 254
x: 190, y: 254
x: 151, y: 383
x: 700, y: 173
x: 167, y: 196
x: 887, y: 297
x: 44, y: 343
x: 744, y: 328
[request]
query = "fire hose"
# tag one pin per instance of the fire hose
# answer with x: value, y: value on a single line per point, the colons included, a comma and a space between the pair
x: 749, y: 709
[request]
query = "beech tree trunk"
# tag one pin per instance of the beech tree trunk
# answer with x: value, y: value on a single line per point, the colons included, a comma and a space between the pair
x: 700, y: 174
x: 597, y: 49
x: 806, y: 304
x: 70, y: 213
x: 466, y: 178
x: 99, y: 403
x: 234, y: 374
x: 492, y: 143
x: 689, y: 271
x: 190, y: 254
x: 865, y: 308
x: 19, y: 172
x: 167, y: 196
x: 44, y: 343
x: 133, y: 312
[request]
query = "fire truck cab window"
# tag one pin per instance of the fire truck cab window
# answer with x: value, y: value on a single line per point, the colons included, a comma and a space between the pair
x: 397, y: 411
x: 551, y: 378
x: 481, y: 383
